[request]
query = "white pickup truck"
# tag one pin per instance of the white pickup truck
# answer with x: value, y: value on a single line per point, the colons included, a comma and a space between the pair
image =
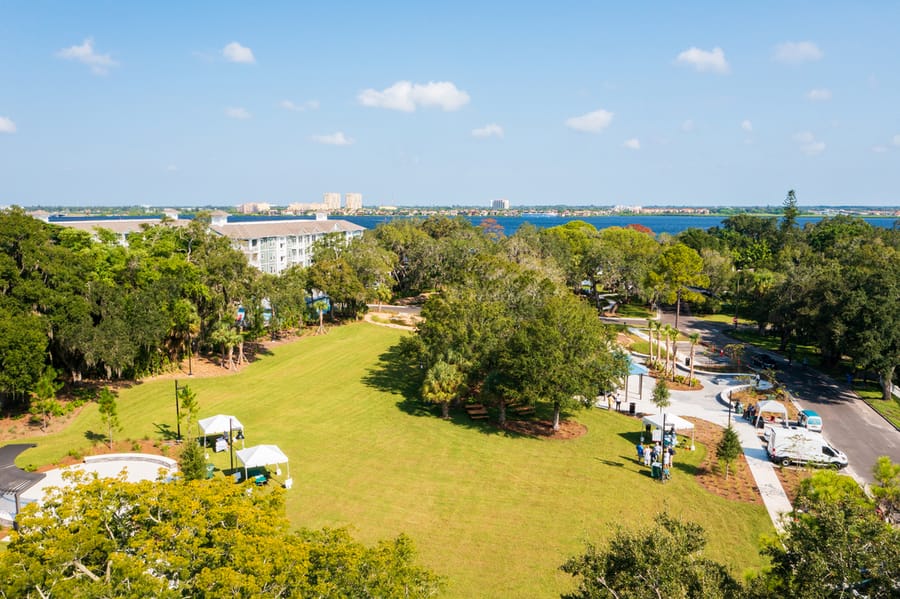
x: 793, y: 445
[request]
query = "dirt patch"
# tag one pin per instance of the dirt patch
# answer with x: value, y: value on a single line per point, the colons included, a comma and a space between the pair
x: 393, y: 320
x: 21, y: 425
x: 740, y: 485
x: 568, y: 429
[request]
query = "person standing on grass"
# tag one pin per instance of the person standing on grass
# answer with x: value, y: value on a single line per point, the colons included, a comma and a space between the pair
x: 647, y: 457
x: 640, y: 451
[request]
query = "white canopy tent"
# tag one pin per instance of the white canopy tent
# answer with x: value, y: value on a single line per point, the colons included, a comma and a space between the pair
x: 770, y: 406
x: 219, y: 425
x: 673, y: 422
x: 259, y: 456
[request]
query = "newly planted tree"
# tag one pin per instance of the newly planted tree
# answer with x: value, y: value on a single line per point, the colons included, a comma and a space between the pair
x: 728, y: 449
x: 108, y: 413
x: 44, y: 404
x: 661, y: 394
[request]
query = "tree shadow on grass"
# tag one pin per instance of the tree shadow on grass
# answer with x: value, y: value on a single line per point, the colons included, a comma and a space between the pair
x: 165, y: 431
x: 689, y: 469
x: 95, y: 437
x: 396, y: 374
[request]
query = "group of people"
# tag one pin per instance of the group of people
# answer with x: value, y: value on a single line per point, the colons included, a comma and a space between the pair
x: 657, y: 455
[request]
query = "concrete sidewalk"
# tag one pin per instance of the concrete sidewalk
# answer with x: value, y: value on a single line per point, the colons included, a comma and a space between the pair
x: 705, y: 405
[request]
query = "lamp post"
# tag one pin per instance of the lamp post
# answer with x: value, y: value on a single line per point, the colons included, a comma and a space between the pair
x: 230, y: 444
x: 177, y: 412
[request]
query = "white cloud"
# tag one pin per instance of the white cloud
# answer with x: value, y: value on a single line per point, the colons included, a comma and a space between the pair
x: 491, y: 130
x: 704, y: 60
x: 797, y: 52
x: 237, y: 113
x: 808, y: 143
x: 234, y: 52
x: 406, y: 96
x: 333, y: 139
x: 7, y: 125
x: 896, y: 140
x: 747, y: 126
x: 632, y: 144
x: 879, y: 149
x: 818, y: 95
x: 592, y: 122
x: 99, y: 63
x: 687, y: 126
x: 308, y: 105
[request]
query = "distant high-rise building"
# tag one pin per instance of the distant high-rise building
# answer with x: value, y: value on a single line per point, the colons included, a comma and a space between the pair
x: 253, y: 208
x: 352, y: 201
x: 501, y: 204
x: 332, y: 200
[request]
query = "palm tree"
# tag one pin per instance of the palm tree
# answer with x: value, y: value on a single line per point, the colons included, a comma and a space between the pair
x: 657, y: 328
x: 320, y: 306
x: 668, y: 338
x: 443, y: 383
x: 673, y: 335
x: 695, y: 339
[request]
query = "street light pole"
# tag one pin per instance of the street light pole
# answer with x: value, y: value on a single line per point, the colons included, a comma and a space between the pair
x: 177, y: 412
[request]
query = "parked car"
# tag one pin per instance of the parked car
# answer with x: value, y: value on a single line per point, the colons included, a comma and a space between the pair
x: 795, y: 445
x: 809, y: 420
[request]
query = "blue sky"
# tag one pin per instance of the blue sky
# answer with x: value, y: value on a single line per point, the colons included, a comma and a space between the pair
x: 690, y: 103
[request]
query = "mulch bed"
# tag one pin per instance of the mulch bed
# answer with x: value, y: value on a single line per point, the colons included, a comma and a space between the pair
x: 740, y: 484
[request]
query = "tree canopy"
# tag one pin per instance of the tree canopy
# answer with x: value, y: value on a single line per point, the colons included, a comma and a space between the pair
x: 111, y: 538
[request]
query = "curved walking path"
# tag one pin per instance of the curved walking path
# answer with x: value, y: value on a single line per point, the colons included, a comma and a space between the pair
x: 704, y: 404
x: 851, y: 424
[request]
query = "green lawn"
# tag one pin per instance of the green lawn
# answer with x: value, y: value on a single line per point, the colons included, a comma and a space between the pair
x: 871, y: 393
x: 634, y: 311
x: 724, y: 318
x: 494, y: 513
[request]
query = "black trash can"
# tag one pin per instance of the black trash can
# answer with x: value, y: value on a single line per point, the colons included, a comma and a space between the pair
x: 631, y: 408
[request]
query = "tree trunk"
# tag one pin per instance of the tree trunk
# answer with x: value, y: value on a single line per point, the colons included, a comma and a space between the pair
x: 230, y: 360
x: 666, y: 364
x: 658, y: 346
x: 886, y: 377
x: 240, y: 358
x: 691, y: 376
x: 556, y: 416
x: 501, y: 419
x: 677, y: 307
x: 445, y: 410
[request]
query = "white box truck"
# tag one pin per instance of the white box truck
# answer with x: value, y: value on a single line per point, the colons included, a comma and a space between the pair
x: 794, y: 445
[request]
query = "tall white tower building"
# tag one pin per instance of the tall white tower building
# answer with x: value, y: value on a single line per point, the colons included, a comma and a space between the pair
x: 332, y: 200
x: 352, y: 201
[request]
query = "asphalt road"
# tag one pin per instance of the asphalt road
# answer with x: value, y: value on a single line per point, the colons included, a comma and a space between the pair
x: 848, y: 423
